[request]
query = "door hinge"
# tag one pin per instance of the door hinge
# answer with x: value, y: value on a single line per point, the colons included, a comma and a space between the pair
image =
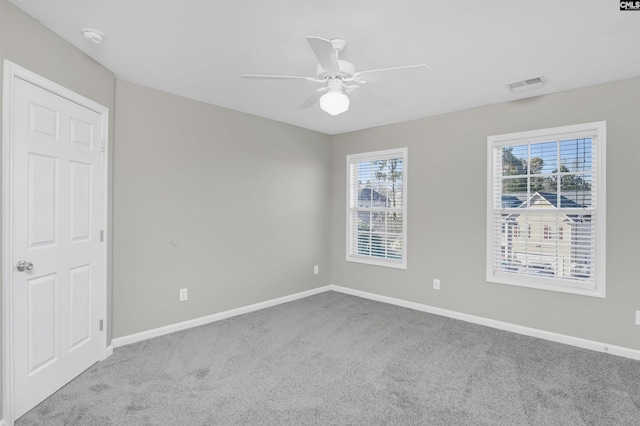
x: 102, y: 235
x: 102, y: 145
x: 101, y: 325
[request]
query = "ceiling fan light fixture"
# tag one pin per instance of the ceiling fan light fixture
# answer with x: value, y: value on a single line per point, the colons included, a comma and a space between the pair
x: 334, y: 102
x: 340, y: 76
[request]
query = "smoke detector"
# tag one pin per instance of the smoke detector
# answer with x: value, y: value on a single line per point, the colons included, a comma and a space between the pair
x: 526, y: 85
x: 92, y: 35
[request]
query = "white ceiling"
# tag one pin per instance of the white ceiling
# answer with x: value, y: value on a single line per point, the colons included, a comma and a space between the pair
x: 199, y: 49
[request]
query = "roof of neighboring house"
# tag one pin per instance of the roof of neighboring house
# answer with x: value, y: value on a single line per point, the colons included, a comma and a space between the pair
x: 512, y: 201
x: 365, y: 195
x: 520, y: 200
x: 552, y: 198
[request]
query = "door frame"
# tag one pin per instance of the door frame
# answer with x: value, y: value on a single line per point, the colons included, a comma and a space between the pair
x: 12, y: 72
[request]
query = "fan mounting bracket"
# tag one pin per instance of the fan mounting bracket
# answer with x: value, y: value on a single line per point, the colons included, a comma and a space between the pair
x: 338, y: 44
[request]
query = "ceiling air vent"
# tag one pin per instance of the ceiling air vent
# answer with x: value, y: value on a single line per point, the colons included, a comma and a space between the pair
x: 524, y: 85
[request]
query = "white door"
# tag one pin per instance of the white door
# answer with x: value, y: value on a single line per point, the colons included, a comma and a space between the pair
x: 57, y: 213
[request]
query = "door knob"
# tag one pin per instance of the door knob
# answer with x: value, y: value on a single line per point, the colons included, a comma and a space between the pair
x: 23, y: 265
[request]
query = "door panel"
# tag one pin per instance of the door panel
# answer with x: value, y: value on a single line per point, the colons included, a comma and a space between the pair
x: 80, y: 201
x: 42, y: 316
x: 80, y: 303
x: 81, y: 133
x: 57, y: 212
x: 43, y: 122
x: 43, y: 197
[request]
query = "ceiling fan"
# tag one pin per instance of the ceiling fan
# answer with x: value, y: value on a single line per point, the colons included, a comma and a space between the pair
x: 338, y: 76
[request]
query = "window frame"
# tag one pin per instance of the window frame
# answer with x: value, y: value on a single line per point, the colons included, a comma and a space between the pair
x: 351, y: 205
x: 597, y: 286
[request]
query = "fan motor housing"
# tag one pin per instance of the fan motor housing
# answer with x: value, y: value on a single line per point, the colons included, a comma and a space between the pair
x: 347, y: 69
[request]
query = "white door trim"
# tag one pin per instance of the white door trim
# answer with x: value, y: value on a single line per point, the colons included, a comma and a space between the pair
x: 11, y: 73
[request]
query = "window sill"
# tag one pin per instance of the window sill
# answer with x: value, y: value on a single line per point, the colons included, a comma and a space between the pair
x: 548, y: 284
x: 388, y: 263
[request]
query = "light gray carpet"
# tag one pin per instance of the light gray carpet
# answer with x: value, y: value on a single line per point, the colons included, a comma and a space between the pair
x: 333, y: 359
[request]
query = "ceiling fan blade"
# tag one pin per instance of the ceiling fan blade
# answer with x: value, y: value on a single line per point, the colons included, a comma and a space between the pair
x: 279, y: 77
x: 323, y: 50
x: 359, y: 75
x: 313, y: 99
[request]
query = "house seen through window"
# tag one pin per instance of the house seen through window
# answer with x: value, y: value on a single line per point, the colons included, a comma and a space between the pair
x: 376, y: 216
x: 551, y: 183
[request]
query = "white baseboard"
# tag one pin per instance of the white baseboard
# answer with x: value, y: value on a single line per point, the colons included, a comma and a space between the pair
x: 108, y: 351
x: 500, y: 325
x: 527, y: 331
x: 137, y: 337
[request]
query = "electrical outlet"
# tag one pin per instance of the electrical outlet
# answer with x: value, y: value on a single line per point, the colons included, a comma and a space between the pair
x: 637, y: 317
x: 183, y: 294
x: 316, y: 270
x: 436, y: 284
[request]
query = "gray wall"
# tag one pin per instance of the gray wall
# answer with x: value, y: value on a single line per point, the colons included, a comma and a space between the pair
x: 27, y: 43
x: 251, y: 205
x: 447, y: 214
x: 233, y: 207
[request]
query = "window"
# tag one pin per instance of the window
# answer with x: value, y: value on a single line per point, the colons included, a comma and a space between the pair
x: 552, y: 182
x: 377, y: 208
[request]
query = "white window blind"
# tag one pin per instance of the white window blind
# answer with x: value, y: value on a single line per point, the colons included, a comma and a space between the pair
x: 545, y: 219
x: 376, y: 207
